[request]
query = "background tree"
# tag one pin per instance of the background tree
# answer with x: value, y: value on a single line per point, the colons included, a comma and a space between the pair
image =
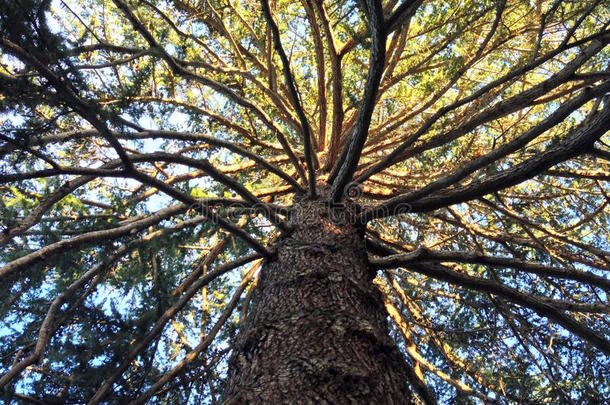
x: 213, y: 201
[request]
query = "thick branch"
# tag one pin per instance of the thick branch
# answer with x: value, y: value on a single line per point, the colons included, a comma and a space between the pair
x: 294, y: 98
x: 214, y: 173
x: 521, y: 141
x: 204, y: 210
x: 347, y: 166
x: 337, y: 86
x: 580, y: 141
x: 545, y: 309
x: 426, y: 255
x: 500, y: 109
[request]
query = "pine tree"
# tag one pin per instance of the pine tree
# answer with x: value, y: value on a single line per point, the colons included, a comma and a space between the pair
x: 304, y: 202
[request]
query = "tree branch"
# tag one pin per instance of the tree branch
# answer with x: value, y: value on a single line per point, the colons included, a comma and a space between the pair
x: 500, y: 109
x: 543, y: 308
x: 521, y: 141
x: 580, y: 141
x: 426, y: 255
x: 294, y: 98
x: 347, y: 165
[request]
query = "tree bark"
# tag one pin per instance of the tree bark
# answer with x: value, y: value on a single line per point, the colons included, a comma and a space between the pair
x: 317, y: 329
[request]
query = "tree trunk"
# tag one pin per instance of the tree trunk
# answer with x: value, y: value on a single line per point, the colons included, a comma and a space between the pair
x: 317, y: 330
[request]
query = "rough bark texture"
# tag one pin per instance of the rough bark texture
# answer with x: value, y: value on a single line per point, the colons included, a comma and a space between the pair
x: 317, y: 331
